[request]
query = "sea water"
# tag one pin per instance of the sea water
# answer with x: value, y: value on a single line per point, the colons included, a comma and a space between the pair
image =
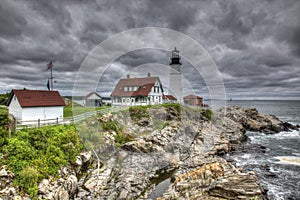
x: 278, y: 162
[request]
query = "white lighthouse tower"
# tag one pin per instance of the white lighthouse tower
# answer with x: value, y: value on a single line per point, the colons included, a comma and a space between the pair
x: 175, y: 87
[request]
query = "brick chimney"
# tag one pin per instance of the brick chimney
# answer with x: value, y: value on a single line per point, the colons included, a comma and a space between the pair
x: 128, y: 76
x: 149, y: 75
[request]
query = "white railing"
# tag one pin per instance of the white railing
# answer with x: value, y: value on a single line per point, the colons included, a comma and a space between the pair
x: 19, y: 124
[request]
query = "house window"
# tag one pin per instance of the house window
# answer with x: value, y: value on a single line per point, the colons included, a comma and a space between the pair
x: 126, y: 89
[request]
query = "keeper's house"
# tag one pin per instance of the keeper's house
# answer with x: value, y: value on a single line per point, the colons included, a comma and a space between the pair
x: 27, y: 105
x: 137, y: 91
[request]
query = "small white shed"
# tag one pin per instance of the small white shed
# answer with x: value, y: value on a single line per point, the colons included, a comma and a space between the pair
x: 93, y: 99
x: 27, y: 105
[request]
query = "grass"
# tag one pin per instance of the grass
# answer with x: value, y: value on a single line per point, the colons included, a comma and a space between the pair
x: 122, y: 138
x: 77, y: 110
x: 207, y: 113
x: 138, y: 112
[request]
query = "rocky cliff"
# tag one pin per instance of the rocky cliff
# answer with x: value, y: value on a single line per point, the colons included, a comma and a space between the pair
x: 180, y: 144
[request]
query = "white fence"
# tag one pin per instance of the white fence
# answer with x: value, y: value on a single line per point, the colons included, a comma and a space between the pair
x: 67, y: 120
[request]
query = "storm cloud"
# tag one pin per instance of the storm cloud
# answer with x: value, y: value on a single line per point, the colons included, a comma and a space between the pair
x: 255, y: 44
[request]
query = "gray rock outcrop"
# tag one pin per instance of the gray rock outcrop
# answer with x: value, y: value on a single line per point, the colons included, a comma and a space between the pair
x: 181, y: 144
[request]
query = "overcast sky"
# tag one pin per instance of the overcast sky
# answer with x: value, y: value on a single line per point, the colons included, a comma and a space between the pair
x: 254, y: 43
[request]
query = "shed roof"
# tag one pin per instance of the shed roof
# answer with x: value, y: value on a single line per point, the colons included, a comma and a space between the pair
x: 90, y: 94
x: 192, y: 96
x: 37, y: 98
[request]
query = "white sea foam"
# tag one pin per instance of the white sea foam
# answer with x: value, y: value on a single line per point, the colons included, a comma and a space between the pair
x: 256, y: 137
x: 288, y: 134
x: 296, y: 154
x: 291, y: 160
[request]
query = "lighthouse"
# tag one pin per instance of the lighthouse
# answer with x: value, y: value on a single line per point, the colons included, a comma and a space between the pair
x: 175, y: 86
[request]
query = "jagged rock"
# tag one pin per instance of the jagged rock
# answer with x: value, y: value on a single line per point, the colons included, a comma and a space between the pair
x: 237, y: 186
x: 3, y: 172
x: 143, y: 122
x: 97, y: 180
x: 44, y: 186
x: 252, y: 120
x: 78, y: 161
x: 6, y: 178
x: 138, y: 146
x: 86, y: 157
x: 218, y: 180
x: 61, y: 194
x: 188, y: 142
x: 71, y: 185
x: 59, y: 189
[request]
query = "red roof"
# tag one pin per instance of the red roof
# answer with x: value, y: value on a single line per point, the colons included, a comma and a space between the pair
x: 144, y: 86
x: 192, y: 96
x: 170, y: 97
x: 37, y: 98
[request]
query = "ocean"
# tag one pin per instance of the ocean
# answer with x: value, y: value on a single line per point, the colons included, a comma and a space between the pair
x: 275, y: 158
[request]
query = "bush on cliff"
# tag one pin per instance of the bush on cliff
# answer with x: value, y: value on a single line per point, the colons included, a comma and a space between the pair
x: 139, y: 112
x: 207, y: 113
x: 34, y: 154
x: 4, y: 121
x: 120, y: 137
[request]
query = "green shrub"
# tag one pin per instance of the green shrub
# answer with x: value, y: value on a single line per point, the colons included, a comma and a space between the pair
x: 172, y: 105
x: 3, y: 137
x: 109, y: 126
x: 34, y: 154
x: 208, y: 114
x: 28, y: 179
x: 121, y: 138
x: 139, y: 112
x: 4, y: 120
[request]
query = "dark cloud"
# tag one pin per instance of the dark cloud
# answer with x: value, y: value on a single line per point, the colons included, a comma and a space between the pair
x: 255, y: 44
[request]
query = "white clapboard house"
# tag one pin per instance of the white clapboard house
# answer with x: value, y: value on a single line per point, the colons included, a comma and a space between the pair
x: 33, y: 105
x: 137, y: 91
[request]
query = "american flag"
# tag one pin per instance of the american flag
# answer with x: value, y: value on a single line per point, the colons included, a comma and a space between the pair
x: 50, y: 65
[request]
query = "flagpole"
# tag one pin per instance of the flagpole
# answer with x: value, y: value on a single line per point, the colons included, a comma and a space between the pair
x: 51, y: 80
x: 50, y: 65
